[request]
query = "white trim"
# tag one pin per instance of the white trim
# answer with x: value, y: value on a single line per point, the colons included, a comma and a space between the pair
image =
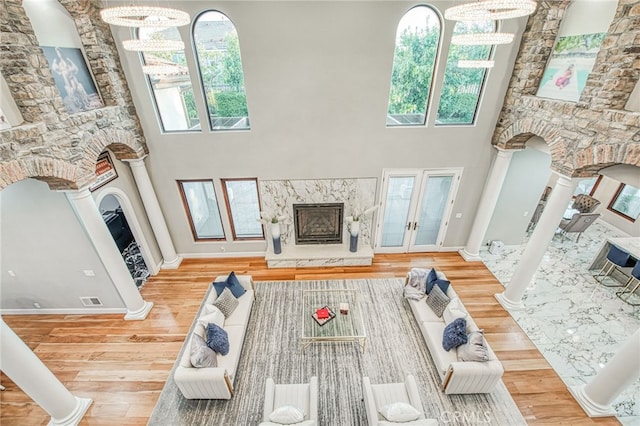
x: 222, y: 255
x: 82, y: 405
x: 470, y: 257
x: 133, y: 222
x: 592, y: 408
x: 507, y: 304
x: 64, y: 311
x: 140, y: 314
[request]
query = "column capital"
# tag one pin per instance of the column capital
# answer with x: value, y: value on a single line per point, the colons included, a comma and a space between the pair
x: 503, y: 151
x: 77, y: 194
x: 563, y: 179
x: 137, y: 162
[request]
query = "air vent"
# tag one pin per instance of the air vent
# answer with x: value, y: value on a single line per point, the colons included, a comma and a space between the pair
x: 91, y: 301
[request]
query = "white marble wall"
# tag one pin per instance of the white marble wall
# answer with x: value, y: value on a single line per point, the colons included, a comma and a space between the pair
x: 278, y: 196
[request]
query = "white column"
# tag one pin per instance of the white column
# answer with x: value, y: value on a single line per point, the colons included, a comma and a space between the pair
x: 28, y: 372
x: 154, y: 213
x: 95, y: 227
x: 557, y: 204
x: 621, y: 372
x: 487, y: 205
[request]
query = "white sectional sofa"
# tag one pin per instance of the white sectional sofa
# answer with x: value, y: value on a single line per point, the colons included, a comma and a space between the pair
x: 458, y: 377
x: 217, y: 382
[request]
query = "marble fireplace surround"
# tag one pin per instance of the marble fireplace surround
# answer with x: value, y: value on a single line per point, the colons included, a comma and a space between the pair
x: 279, y: 196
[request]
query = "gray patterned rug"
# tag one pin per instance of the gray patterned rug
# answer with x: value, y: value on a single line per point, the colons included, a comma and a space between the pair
x: 272, y: 349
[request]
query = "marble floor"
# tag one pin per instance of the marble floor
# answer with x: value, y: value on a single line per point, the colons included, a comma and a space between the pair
x: 575, y: 322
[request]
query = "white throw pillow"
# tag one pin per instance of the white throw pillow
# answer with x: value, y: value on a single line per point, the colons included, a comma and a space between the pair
x: 455, y: 309
x: 215, y: 317
x: 399, y: 412
x: 287, y: 415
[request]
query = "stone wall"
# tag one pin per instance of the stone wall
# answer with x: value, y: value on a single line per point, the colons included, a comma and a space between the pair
x: 51, y: 144
x: 594, y: 133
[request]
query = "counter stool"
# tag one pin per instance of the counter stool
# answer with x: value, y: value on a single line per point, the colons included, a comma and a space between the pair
x: 616, y: 258
x: 635, y: 278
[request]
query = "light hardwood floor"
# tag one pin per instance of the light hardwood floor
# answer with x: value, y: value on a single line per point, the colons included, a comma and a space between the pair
x: 123, y: 365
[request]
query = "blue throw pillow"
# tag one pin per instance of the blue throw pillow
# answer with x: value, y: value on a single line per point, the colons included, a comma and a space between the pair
x: 443, y: 284
x: 217, y: 339
x: 431, y: 277
x: 232, y: 283
x: 455, y: 334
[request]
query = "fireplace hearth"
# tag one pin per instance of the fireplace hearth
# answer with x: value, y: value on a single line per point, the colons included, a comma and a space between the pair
x: 318, y: 223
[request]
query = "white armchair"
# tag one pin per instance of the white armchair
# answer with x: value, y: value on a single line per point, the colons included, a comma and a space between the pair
x: 302, y: 396
x: 378, y: 396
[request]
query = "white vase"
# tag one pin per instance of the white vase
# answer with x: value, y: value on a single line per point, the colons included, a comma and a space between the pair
x: 275, y: 230
x: 354, y: 228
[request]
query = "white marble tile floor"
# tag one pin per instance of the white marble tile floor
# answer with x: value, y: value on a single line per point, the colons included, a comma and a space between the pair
x: 576, y: 323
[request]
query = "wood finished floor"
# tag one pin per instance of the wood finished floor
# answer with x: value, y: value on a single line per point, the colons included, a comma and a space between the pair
x: 122, y: 365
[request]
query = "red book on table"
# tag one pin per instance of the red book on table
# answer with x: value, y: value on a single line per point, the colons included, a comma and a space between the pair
x: 322, y: 313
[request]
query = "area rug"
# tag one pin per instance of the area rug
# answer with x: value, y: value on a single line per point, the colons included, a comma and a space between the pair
x: 394, y: 348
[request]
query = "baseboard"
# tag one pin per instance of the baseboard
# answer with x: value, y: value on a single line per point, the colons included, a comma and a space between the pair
x: 611, y: 227
x: 222, y: 255
x: 63, y: 311
x: 447, y: 249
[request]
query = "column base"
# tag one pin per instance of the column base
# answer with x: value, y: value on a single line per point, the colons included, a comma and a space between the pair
x: 593, y: 409
x: 140, y: 314
x: 469, y: 257
x: 507, y: 304
x: 172, y: 264
x: 82, y: 405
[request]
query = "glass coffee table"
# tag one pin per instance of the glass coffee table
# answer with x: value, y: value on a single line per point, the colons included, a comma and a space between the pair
x: 342, y: 327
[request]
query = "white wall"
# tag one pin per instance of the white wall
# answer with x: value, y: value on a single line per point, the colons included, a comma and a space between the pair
x: 607, y: 188
x: 598, y: 14
x: 52, y: 23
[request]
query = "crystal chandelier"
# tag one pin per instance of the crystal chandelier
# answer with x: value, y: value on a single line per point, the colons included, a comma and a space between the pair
x: 476, y: 39
x: 162, y: 70
x: 476, y: 63
x: 145, y: 16
x: 150, y: 45
x: 490, y: 10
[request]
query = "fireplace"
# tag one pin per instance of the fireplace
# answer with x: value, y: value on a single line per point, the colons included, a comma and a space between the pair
x: 318, y: 223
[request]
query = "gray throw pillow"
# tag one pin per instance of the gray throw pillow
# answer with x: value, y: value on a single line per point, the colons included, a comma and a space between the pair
x: 437, y: 301
x: 475, y: 349
x: 226, y: 302
x: 202, y: 356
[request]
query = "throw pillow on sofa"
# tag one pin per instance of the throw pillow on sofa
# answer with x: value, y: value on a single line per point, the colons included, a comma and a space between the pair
x: 475, y: 349
x: 232, y: 284
x: 202, y: 356
x: 454, y: 310
x: 287, y: 415
x: 437, y: 301
x: 226, y: 302
x: 215, y: 316
x: 399, y: 412
x: 455, y: 334
x: 217, y: 339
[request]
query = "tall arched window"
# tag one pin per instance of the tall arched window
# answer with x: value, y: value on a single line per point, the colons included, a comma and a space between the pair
x: 170, y: 82
x: 461, y: 88
x: 417, y: 42
x: 220, y: 65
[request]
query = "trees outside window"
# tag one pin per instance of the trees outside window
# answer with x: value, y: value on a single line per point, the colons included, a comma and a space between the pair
x: 243, y: 205
x: 201, y: 205
x: 626, y: 202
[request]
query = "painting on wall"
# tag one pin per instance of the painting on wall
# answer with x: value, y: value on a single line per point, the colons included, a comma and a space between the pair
x: 571, y: 61
x: 4, y: 123
x: 72, y: 78
x: 105, y: 172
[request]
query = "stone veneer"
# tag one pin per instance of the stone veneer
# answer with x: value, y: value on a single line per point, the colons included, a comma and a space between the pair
x: 595, y: 132
x: 52, y: 145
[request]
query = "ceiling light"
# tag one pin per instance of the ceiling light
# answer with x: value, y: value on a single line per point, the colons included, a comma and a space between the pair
x: 153, y: 45
x: 145, y: 16
x: 490, y: 10
x: 475, y: 39
x: 475, y: 64
x: 162, y: 70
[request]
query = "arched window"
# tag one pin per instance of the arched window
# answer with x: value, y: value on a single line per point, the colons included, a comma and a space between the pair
x: 220, y: 65
x: 170, y: 82
x: 417, y: 42
x: 461, y: 88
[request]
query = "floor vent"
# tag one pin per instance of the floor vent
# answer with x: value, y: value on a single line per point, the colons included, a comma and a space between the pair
x: 91, y: 301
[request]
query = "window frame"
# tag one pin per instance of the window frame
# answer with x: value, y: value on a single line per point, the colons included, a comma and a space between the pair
x: 615, y: 198
x: 187, y: 210
x: 223, y: 183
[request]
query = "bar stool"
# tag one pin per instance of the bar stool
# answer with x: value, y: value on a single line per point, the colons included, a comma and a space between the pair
x: 616, y: 258
x: 635, y: 276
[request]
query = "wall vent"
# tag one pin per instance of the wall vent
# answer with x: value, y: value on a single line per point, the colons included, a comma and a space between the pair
x: 91, y: 301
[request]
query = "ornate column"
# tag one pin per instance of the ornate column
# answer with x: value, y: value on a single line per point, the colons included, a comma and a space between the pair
x: 487, y: 205
x: 28, y: 372
x: 560, y: 197
x: 621, y: 372
x: 89, y: 215
x: 154, y: 213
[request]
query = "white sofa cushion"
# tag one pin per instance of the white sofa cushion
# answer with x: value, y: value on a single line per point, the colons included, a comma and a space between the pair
x: 230, y: 360
x: 286, y: 415
x: 400, y: 412
x: 240, y: 315
x: 455, y: 309
x: 432, y: 332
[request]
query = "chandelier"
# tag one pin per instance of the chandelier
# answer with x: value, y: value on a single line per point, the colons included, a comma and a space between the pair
x: 150, y: 45
x: 476, y: 63
x: 490, y: 10
x: 476, y: 39
x: 145, y: 16
x: 162, y: 70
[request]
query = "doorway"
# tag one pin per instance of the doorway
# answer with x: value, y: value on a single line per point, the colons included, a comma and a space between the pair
x: 417, y: 205
x: 120, y: 230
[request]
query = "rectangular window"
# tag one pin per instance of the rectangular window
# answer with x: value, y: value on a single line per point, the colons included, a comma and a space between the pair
x: 243, y: 205
x: 587, y: 186
x: 626, y: 202
x: 200, y: 202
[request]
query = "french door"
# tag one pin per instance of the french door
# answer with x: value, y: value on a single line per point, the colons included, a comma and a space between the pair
x: 416, y: 207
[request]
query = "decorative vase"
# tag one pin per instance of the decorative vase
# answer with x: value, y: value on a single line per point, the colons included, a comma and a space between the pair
x: 275, y: 235
x: 354, y: 230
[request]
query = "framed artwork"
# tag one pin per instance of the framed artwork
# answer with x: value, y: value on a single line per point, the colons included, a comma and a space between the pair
x: 4, y: 123
x: 72, y: 78
x: 105, y: 171
x: 569, y: 66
